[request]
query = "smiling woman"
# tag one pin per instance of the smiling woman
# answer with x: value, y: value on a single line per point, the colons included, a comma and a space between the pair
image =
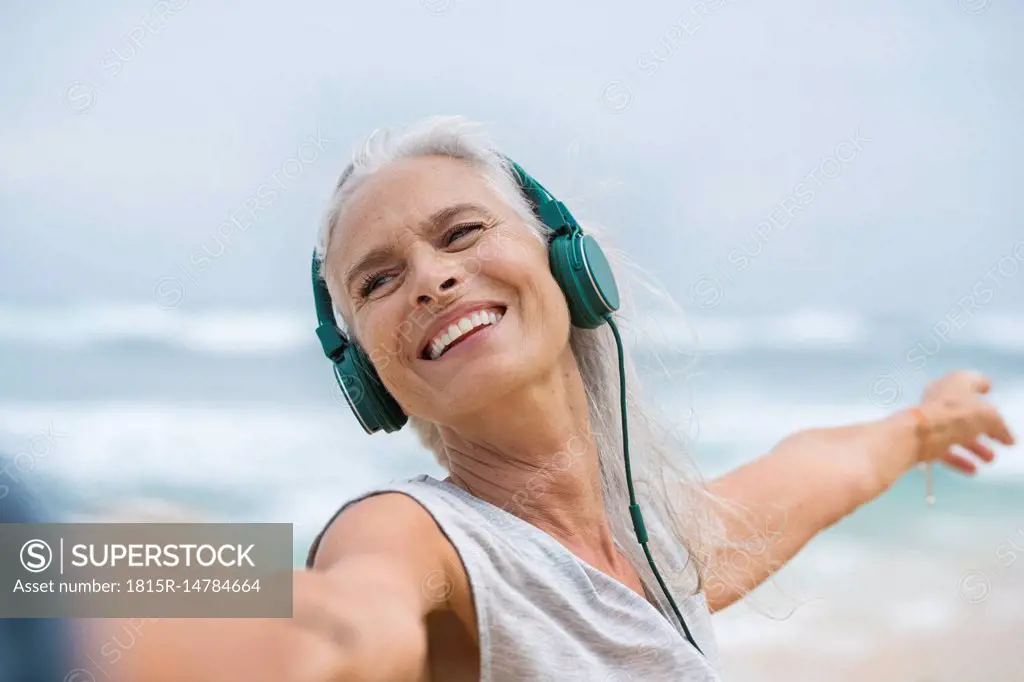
x: 443, y: 260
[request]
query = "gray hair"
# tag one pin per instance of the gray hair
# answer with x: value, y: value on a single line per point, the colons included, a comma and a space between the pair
x: 679, y: 509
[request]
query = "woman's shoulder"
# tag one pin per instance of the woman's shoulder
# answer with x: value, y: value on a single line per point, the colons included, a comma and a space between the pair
x: 387, y: 517
x: 391, y: 520
x: 389, y: 511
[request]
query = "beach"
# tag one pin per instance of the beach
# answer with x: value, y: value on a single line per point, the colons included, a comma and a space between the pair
x: 146, y: 414
x: 909, y: 619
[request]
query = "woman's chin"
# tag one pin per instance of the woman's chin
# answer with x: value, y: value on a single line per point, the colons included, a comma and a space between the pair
x: 470, y: 385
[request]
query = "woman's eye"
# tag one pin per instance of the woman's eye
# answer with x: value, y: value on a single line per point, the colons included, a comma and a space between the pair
x: 372, y: 281
x: 461, y: 231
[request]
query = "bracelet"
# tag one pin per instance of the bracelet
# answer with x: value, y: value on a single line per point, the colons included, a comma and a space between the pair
x: 923, y: 424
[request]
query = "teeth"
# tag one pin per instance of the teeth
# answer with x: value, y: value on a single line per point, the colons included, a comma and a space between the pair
x: 463, y: 326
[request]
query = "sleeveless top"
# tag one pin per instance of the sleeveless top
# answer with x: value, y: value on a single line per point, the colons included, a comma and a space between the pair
x: 543, y: 614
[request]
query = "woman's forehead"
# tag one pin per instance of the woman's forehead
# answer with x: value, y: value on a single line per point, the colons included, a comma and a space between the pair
x: 405, y: 193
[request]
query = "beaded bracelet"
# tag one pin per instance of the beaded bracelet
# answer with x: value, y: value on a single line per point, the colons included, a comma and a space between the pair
x: 923, y: 425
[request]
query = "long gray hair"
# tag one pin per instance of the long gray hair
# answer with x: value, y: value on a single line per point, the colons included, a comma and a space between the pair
x: 679, y: 510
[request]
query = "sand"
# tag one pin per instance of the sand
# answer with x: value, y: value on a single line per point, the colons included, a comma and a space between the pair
x: 921, y: 625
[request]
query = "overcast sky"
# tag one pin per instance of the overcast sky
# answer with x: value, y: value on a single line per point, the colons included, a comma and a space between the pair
x: 130, y: 132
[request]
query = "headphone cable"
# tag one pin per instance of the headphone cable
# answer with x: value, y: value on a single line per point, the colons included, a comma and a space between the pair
x: 634, y: 508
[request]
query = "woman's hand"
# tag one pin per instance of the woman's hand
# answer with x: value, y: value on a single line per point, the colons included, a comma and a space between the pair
x: 955, y: 414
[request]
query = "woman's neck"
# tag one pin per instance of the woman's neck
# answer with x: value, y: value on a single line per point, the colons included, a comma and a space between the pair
x: 534, y: 455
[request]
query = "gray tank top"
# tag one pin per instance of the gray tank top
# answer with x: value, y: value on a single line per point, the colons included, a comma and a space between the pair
x: 544, y: 614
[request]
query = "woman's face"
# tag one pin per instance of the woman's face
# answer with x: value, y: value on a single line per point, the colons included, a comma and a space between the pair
x: 426, y: 244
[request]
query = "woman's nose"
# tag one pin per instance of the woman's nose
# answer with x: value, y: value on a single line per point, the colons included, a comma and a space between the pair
x: 438, y: 278
x: 447, y: 285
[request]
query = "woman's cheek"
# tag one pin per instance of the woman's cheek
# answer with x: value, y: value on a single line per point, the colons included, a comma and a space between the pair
x: 376, y: 343
x: 472, y: 265
x: 502, y: 246
x: 380, y: 359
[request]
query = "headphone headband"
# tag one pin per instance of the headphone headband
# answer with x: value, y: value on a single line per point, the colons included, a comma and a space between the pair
x: 550, y: 210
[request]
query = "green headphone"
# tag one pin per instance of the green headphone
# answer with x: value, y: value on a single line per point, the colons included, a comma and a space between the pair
x: 585, y: 277
x: 577, y: 264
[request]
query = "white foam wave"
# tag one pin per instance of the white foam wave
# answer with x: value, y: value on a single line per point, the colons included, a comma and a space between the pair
x: 276, y: 460
x: 718, y: 333
x: 132, y: 462
x: 234, y: 330
x: 215, y: 331
x: 811, y: 329
x: 998, y: 332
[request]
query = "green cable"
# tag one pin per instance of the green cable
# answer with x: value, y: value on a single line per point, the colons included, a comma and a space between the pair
x: 634, y: 508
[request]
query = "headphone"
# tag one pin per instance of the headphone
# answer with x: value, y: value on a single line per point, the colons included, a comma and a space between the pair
x: 585, y: 278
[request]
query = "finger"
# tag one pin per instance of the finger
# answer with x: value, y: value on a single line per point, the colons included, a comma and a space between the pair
x: 985, y: 453
x: 979, y: 382
x: 960, y: 463
x: 996, y: 427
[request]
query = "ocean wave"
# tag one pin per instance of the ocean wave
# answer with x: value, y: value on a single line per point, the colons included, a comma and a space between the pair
x: 998, y: 332
x: 281, y: 332
x: 725, y: 333
x: 268, y: 463
x: 811, y: 330
x: 258, y: 332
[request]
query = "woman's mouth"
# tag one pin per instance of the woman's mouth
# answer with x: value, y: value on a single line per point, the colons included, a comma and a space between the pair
x: 458, y: 331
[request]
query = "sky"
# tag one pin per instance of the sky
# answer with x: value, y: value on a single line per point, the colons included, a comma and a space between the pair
x: 754, y: 157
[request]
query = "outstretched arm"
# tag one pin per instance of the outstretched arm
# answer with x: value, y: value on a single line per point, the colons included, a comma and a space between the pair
x: 359, y: 616
x: 814, y: 478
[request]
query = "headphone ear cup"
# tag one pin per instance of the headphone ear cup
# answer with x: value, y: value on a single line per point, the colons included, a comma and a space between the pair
x: 373, y: 405
x: 585, y: 277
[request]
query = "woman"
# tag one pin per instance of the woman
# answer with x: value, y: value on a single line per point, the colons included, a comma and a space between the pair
x: 523, y: 563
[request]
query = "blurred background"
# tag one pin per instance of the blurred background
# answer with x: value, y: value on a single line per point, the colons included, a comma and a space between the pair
x: 831, y: 194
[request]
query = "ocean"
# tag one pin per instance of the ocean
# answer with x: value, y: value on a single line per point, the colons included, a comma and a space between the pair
x: 233, y: 415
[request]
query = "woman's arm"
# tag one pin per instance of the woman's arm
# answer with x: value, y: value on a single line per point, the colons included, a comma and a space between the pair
x: 359, y: 616
x: 814, y: 478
